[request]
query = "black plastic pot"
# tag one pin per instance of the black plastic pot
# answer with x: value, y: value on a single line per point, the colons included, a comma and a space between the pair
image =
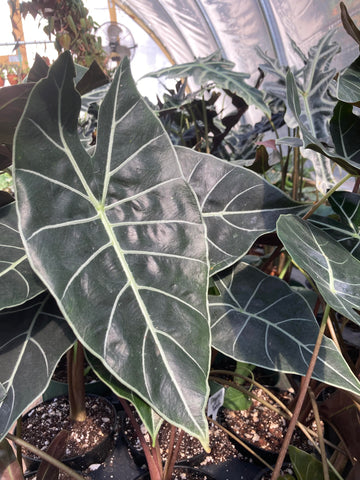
x: 96, y: 455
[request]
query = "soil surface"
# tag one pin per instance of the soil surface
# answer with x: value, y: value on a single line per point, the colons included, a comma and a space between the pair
x: 47, y: 419
x: 191, y: 450
x: 262, y: 427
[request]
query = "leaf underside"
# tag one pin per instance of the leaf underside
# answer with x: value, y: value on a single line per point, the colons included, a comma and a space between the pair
x: 122, y: 247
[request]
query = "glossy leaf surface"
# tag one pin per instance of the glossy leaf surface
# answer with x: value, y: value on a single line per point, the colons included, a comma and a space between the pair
x: 118, y: 239
x: 258, y: 319
x: 33, y: 337
x: 348, y: 88
x: 346, y: 228
x: 18, y: 282
x: 218, y: 71
x: 238, y: 206
x: 334, y: 270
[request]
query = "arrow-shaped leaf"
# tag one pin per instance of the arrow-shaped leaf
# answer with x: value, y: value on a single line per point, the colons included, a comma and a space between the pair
x: 220, y: 72
x: 118, y: 239
x: 33, y: 337
x: 258, y: 319
x: 334, y: 270
x: 18, y: 282
x: 238, y: 206
x: 348, y: 87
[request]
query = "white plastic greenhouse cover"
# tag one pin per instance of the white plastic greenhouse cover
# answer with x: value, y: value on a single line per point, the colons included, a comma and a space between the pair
x: 188, y: 29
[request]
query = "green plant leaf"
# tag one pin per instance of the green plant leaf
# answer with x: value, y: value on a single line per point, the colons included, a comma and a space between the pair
x: 12, y: 103
x: 348, y: 86
x: 307, y: 466
x: 238, y: 206
x: 258, y: 319
x: 149, y: 417
x: 118, y: 239
x: 18, y: 282
x: 9, y: 466
x: 343, y: 128
x: 220, y: 72
x: 33, y: 338
x: 345, y: 230
x: 313, y: 85
x: 334, y: 270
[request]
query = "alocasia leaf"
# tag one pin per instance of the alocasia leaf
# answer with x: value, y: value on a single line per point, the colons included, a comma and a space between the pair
x: 306, y: 466
x: 313, y: 84
x: 238, y: 206
x: 33, y: 337
x: 258, y: 319
x: 118, y: 239
x: 334, y: 270
x: 348, y: 87
x: 18, y: 282
x: 343, y: 125
x: 220, y: 72
x: 345, y: 229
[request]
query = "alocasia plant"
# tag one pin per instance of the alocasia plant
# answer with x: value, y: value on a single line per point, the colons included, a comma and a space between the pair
x: 125, y: 239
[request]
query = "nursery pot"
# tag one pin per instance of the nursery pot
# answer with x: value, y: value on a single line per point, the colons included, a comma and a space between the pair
x: 95, y: 454
x: 181, y: 472
x: 57, y: 389
x: 13, y: 79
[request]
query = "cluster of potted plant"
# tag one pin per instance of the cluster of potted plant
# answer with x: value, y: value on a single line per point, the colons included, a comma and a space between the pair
x: 154, y: 256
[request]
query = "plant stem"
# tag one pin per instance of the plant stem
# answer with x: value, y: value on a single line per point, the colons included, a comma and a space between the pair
x: 326, y: 196
x: 320, y: 437
x: 172, y: 452
x: 45, y: 456
x: 304, y: 386
x: 76, y: 382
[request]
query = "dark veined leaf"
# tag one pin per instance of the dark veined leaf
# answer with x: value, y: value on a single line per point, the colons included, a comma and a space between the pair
x: 343, y: 127
x: 33, y: 337
x: 149, y: 417
x: 9, y: 466
x: 348, y: 87
x: 238, y: 206
x: 258, y: 319
x: 334, y: 270
x: 313, y: 84
x: 345, y: 228
x: 220, y: 72
x: 118, y: 239
x: 18, y: 282
x: 307, y: 466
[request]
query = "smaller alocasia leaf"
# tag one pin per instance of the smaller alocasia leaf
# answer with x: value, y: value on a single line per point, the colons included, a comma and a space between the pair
x: 346, y: 152
x: 307, y: 466
x: 348, y: 87
x: 33, y: 337
x: 149, y: 417
x: 18, y: 282
x: 9, y: 466
x: 345, y: 227
x: 237, y: 205
x: 219, y: 72
x: 259, y: 319
x: 334, y: 270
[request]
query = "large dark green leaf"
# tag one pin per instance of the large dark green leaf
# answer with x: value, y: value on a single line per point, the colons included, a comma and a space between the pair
x: 238, y: 205
x: 334, y: 270
x: 220, y: 72
x: 33, y: 337
x: 118, y: 239
x: 258, y: 319
x: 18, y: 282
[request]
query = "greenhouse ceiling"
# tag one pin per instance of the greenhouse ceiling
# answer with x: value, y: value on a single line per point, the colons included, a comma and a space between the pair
x: 189, y: 29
